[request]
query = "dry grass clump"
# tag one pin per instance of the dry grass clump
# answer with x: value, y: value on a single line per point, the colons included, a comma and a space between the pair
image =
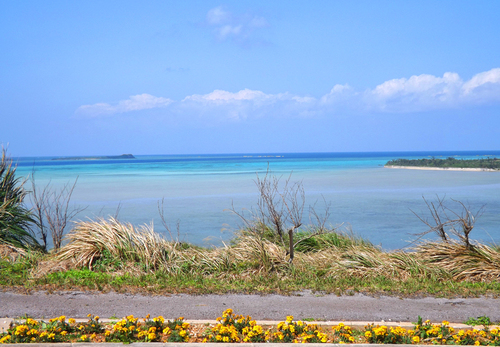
x: 476, y: 263
x: 365, y: 260
x: 264, y: 254
x: 11, y: 253
x: 89, y: 240
x: 49, y: 266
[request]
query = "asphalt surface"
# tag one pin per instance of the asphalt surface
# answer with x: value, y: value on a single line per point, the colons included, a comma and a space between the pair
x: 268, y: 307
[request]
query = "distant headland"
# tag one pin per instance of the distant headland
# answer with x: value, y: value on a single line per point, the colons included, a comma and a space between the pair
x: 450, y: 163
x: 106, y: 157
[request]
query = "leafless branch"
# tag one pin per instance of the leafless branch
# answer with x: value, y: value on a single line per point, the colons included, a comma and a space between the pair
x: 450, y: 222
x: 161, y: 212
x: 317, y: 219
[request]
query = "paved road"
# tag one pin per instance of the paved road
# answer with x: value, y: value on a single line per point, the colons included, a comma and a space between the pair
x: 269, y: 307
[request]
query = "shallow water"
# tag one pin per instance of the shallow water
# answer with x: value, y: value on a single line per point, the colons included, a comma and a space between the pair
x: 198, y: 190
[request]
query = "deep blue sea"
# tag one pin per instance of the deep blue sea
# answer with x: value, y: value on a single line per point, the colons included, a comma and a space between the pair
x: 372, y: 201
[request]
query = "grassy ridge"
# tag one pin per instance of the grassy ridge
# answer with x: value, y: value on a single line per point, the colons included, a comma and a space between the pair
x: 108, y: 255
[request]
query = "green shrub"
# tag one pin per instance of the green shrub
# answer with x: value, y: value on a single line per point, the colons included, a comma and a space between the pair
x: 15, y: 218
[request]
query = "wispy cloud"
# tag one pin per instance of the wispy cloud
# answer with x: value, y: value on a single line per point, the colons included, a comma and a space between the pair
x: 133, y: 103
x: 227, y: 25
x: 403, y: 95
x: 248, y: 103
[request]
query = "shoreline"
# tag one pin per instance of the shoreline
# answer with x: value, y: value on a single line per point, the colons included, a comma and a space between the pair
x: 438, y: 168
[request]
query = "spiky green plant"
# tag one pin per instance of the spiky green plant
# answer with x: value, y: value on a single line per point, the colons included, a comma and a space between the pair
x: 15, y: 218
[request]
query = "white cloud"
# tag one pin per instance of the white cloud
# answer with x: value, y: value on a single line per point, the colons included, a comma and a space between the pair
x: 428, y: 92
x: 133, y: 103
x: 403, y: 95
x: 229, y: 26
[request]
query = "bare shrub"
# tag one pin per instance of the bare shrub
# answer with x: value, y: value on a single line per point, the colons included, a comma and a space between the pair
x: 280, y: 209
x: 449, y: 222
x: 52, y: 211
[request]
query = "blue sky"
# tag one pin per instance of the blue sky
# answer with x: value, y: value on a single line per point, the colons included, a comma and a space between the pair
x: 175, y: 77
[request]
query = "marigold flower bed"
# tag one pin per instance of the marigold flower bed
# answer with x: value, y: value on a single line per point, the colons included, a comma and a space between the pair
x: 231, y: 328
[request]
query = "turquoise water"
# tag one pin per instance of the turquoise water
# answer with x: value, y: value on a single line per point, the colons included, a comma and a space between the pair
x: 198, y: 190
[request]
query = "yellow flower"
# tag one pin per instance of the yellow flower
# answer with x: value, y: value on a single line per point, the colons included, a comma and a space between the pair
x: 182, y: 333
x: 5, y: 338
x: 167, y: 331
x: 93, y: 336
x: 64, y: 332
x: 477, y: 343
x: 62, y: 319
x: 96, y: 317
x: 416, y: 339
x: 151, y: 336
x: 445, y: 323
x: 159, y: 319
x: 71, y: 321
x: 368, y: 334
x: 83, y: 337
x: 30, y: 321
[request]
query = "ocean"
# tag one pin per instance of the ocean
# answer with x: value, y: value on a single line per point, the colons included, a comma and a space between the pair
x: 198, y: 191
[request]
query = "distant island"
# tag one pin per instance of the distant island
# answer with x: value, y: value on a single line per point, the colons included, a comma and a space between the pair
x: 450, y: 163
x: 123, y: 156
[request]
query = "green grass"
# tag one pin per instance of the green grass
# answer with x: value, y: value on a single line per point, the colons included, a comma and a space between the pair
x: 482, y: 320
x: 17, y: 275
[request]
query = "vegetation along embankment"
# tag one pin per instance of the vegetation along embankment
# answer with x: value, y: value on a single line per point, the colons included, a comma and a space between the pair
x: 448, y: 163
x: 273, y: 253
